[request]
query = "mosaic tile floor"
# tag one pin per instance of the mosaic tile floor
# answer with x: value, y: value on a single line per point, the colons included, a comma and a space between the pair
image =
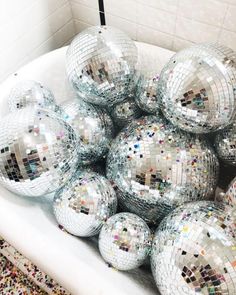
x: 19, y: 276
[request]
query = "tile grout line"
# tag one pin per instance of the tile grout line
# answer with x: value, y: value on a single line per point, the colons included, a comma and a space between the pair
x: 72, y: 17
x: 27, y: 56
x: 221, y: 28
x: 155, y: 8
x: 176, y: 18
x: 150, y: 27
x: 37, y: 25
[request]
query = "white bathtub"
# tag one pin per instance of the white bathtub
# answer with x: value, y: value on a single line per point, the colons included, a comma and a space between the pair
x: 29, y: 225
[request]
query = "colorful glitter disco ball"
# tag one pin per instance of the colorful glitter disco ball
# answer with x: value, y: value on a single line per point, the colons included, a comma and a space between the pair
x: 37, y: 152
x: 156, y: 167
x: 230, y: 196
x: 85, y: 203
x: 225, y: 144
x: 198, y: 88
x: 125, y: 112
x: 93, y: 128
x: 194, y: 250
x: 146, y: 92
x: 100, y: 64
x: 124, y: 241
x: 30, y: 93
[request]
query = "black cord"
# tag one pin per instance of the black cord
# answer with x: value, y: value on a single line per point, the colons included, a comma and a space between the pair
x: 102, y: 13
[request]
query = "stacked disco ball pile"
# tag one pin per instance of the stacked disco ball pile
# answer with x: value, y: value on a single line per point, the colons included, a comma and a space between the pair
x: 161, y: 170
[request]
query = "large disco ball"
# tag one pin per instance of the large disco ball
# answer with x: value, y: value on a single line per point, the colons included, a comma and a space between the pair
x: 30, y: 93
x: 124, y: 241
x: 225, y: 144
x: 198, y: 88
x: 37, y: 152
x: 85, y: 203
x: 93, y: 128
x: 194, y: 250
x: 230, y: 195
x: 156, y: 167
x: 125, y: 112
x: 100, y: 64
x: 146, y: 92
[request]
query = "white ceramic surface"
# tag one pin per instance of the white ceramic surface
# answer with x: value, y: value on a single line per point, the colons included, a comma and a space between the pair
x: 29, y: 225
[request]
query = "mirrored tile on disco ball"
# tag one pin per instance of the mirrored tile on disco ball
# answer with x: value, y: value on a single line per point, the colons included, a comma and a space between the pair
x: 125, y: 112
x: 194, y: 250
x: 98, y: 167
x: 197, y: 88
x: 146, y: 92
x: 37, y: 152
x: 155, y: 167
x: 225, y: 144
x: 100, y: 64
x: 230, y: 195
x: 124, y: 241
x: 30, y: 93
x: 85, y: 203
x: 93, y: 128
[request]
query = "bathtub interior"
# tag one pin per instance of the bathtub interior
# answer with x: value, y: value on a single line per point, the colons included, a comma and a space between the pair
x: 29, y: 224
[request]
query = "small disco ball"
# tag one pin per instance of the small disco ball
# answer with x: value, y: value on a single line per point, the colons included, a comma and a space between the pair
x: 85, y: 203
x: 197, y: 88
x: 225, y: 144
x: 230, y: 195
x: 37, y: 152
x: 30, y: 93
x: 125, y: 112
x: 124, y: 241
x: 146, y: 93
x: 194, y: 250
x: 93, y: 128
x: 156, y: 167
x: 100, y: 65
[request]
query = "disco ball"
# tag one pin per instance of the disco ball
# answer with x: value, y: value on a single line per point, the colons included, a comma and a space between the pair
x: 30, y: 93
x: 93, y: 127
x: 230, y: 196
x: 156, y: 167
x: 124, y: 241
x: 100, y: 64
x: 225, y: 144
x: 125, y: 112
x: 194, y: 250
x: 37, y: 152
x: 146, y: 92
x: 85, y: 203
x: 198, y: 88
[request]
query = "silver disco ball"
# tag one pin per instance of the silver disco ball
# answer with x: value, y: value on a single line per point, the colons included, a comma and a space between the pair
x: 146, y: 92
x: 194, y: 250
x: 230, y: 196
x: 156, y: 167
x: 85, y: 203
x: 37, y: 152
x: 30, y: 93
x: 198, y: 88
x: 100, y: 64
x: 125, y: 112
x: 225, y: 144
x: 124, y: 241
x: 93, y: 128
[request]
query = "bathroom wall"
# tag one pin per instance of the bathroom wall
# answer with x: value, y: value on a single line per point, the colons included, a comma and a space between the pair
x: 173, y: 24
x: 29, y: 28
